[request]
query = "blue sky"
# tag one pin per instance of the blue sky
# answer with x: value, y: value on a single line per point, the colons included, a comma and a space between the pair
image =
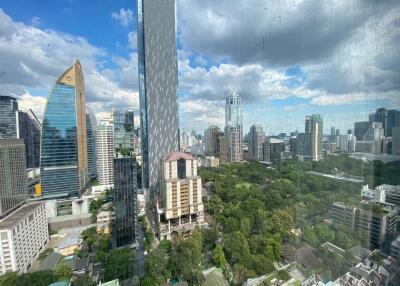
x: 342, y: 61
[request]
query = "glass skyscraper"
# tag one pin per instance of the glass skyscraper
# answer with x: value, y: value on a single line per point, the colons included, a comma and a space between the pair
x: 158, y: 79
x: 8, y: 117
x: 64, y: 163
x: 91, y: 125
x: 125, y: 200
x: 124, y: 131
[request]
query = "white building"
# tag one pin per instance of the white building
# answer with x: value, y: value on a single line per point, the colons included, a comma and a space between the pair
x: 180, y: 201
x: 383, y: 193
x: 234, y: 127
x: 24, y: 234
x: 376, y: 195
x: 210, y: 161
x: 105, y: 152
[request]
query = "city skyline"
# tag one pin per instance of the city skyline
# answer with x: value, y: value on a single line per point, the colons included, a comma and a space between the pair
x: 271, y: 88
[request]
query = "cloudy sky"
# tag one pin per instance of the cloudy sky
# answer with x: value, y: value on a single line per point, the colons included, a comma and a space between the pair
x: 339, y: 58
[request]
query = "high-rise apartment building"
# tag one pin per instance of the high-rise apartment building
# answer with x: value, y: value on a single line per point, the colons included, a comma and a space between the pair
x: 124, y: 131
x: 396, y: 140
x: 125, y: 200
x: 158, y: 80
x: 180, y: 202
x: 91, y: 125
x: 314, y: 129
x: 234, y: 127
x: 211, y: 140
x: 256, y: 140
x: 13, y: 176
x: 105, y: 150
x: 64, y: 162
x: 222, y: 152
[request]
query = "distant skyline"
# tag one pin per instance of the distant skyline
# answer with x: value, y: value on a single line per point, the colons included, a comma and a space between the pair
x: 286, y: 59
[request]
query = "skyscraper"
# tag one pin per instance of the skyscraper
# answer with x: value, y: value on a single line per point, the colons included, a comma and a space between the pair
x: 360, y: 128
x: 105, y: 151
x: 256, y: 140
x: 210, y: 139
x: 158, y: 78
x: 91, y: 125
x: 124, y: 132
x: 125, y: 200
x: 314, y: 127
x: 8, y: 117
x: 16, y: 124
x: 13, y: 177
x: 234, y: 126
x: 64, y: 162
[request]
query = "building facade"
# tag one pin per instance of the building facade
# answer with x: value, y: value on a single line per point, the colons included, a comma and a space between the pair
x: 222, y: 152
x: 91, y: 125
x: 211, y: 140
x: 105, y: 152
x: 234, y: 127
x: 125, y: 200
x: 64, y: 156
x: 8, y: 117
x: 314, y: 127
x: 180, y: 202
x: 124, y: 131
x: 158, y: 81
x: 256, y: 140
x: 360, y: 128
x: 13, y: 176
x: 24, y: 234
x: 29, y: 130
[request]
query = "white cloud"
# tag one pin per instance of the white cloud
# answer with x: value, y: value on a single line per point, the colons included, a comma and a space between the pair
x: 27, y: 101
x: 124, y: 16
x: 35, y: 58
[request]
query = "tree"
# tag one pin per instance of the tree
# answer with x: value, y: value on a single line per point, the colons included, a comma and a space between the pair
x: 241, y: 273
x: 283, y: 275
x: 262, y: 265
x: 237, y: 248
x: 118, y: 264
x: 9, y: 278
x: 83, y: 281
x: 310, y: 237
x: 156, y: 266
x: 63, y: 272
x: 209, y: 237
x: 219, y: 256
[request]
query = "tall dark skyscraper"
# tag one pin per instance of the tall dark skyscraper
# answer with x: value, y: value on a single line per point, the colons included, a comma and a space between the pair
x: 360, y: 128
x: 124, y: 131
x: 158, y: 79
x: 8, y: 117
x: 16, y: 124
x: 29, y: 130
x: 91, y: 126
x: 13, y: 178
x: 125, y: 200
x: 64, y: 162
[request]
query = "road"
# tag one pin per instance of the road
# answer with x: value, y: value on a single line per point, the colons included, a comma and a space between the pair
x: 139, y: 254
x: 337, y: 177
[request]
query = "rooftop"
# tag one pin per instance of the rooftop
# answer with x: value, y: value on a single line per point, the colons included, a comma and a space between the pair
x: 14, y: 217
x: 174, y: 156
x: 69, y: 241
x: 50, y: 262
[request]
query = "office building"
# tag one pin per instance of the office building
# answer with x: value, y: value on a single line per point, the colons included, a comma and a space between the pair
x: 158, y: 80
x: 24, y: 234
x: 277, y: 149
x: 381, y: 116
x: 13, y: 176
x: 16, y: 124
x: 314, y: 129
x: 125, y: 200
x: 91, y: 126
x: 222, y: 151
x: 64, y: 162
x: 8, y: 117
x: 210, y: 161
x: 267, y: 152
x: 105, y: 152
x: 124, y: 131
x: 29, y: 130
x: 181, y: 205
x: 234, y: 127
x: 256, y: 140
x: 395, y: 249
x: 211, y: 140
x: 360, y: 128
x: 185, y: 140
x: 393, y: 120
x: 396, y: 140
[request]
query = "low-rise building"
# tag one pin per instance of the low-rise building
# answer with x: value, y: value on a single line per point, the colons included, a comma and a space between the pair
x: 210, y: 161
x: 69, y: 245
x: 24, y: 234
